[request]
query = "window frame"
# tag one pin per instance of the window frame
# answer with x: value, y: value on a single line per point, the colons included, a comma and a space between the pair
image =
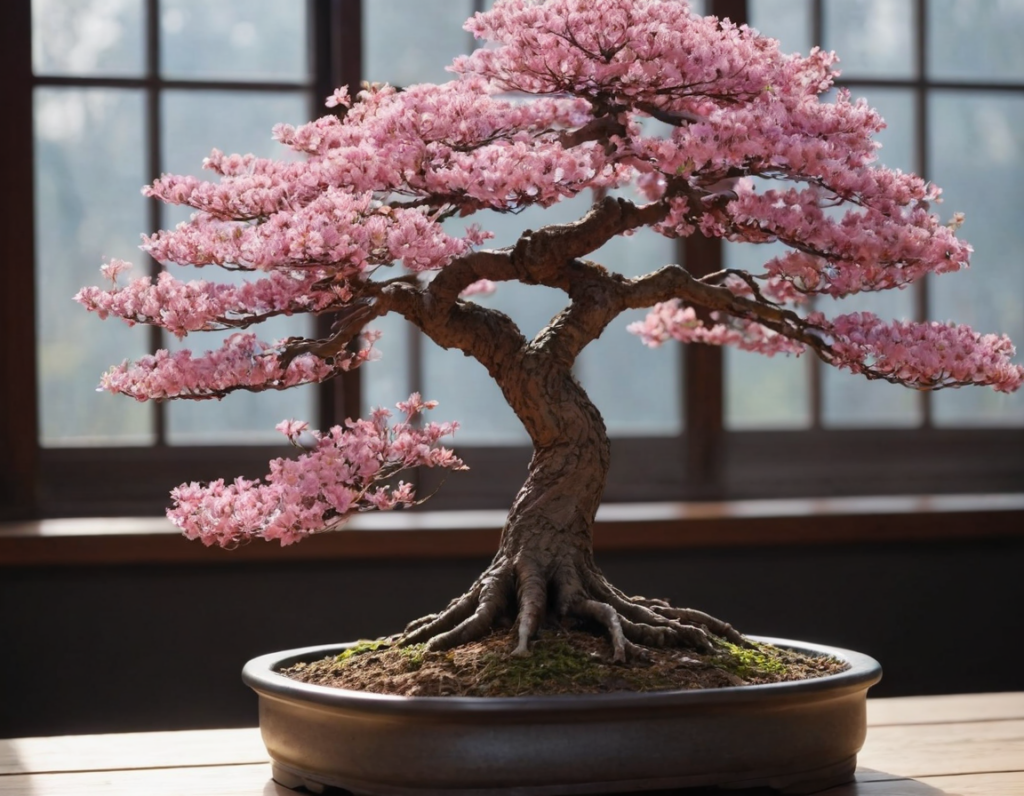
x: 706, y: 461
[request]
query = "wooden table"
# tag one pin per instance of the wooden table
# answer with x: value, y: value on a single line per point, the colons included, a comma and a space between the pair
x: 960, y: 745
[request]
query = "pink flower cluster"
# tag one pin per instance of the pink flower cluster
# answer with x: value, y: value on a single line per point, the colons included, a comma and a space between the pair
x: 183, y: 307
x: 242, y: 362
x: 626, y: 50
x: 454, y: 142
x: 923, y: 355
x: 245, y: 197
x: 345, y: 471
x: 671, y: 320
x: 481, y: 287
x: 781, y: 134
x: 864, y: 250
x: 926, y: 356
x: 348, y: 232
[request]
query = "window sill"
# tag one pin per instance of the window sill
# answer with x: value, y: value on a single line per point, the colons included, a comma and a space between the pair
x: 465, y: 534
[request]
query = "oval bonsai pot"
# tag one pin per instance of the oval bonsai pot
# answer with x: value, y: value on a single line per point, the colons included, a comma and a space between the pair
x: 796, y: 737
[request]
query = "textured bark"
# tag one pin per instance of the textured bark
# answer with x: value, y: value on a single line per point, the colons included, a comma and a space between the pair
x: 544, y: 568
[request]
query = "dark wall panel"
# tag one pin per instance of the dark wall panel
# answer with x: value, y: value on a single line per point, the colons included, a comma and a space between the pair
x: 148, y: 648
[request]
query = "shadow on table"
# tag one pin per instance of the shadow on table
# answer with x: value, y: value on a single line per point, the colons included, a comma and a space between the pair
x: 868, y: 783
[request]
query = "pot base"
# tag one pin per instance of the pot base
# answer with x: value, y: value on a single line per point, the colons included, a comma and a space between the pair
x: 790, y: 783
x: 795, y: 737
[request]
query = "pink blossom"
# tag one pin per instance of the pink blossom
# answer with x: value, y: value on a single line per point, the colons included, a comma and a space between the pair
x: 292, y: 428
x: 348, y: 470
x: 481, y: 287
x: 672, y: 320
x: 924, y: 355
x: 339, y: 97
x: 115, y: 267
x: 242, y: 362
x: 183, y: 307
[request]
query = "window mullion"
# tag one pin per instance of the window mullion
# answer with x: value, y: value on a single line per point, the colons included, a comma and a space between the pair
x: 817, y: 24
x: 19, y: 430
x: 921, y: 294
x: 336, y: 43
x: 154, y: 167
x: 816, y: 365
x: 704, y: 390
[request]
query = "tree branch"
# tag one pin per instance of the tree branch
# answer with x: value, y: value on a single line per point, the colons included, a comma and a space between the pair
x: 487, y: 335
x: 543, y: 257
x: 347, y: 327
x: 597, y: 298
x: 674, y: 282
x: 597, y: 129
x: 461, y: 273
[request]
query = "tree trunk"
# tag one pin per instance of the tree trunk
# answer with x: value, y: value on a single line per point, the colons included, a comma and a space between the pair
x: 548, y: 536
x: 544, y: 568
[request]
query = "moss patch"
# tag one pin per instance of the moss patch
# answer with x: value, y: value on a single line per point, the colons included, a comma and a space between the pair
x: 561, y: 662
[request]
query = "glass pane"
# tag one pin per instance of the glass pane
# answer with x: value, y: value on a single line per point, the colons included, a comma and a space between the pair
x: 412, y: 41
x: 874, y: 38
x: 897, y: 139
x: 849, y: 400
x: 466, y: 393
x: 234, y: 40
x: 88, y: 37
x: 193, y: 123
x: 763, y: 392
x: 89, y: 166
x: 638, y: 389
x: 387, y: 381
x: 789, y: 21
x: 975, y: 40
x: 977, y: 156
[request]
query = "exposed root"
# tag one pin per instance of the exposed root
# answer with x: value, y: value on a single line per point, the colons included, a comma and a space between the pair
x: 478, y: 614
x: 533, y: 601
x: 693, y: 617
x: 530, y: 595
x: 457, y: 612
x: 659, y: 613
x: 607, y: 616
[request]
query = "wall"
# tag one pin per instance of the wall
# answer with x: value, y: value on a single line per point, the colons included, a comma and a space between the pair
x: 93, y: 649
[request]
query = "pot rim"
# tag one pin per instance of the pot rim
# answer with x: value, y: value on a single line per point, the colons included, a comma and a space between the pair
x: 261, y: 674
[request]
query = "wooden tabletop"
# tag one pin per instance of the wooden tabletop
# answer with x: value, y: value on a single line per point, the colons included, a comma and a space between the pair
x: 959, y: 745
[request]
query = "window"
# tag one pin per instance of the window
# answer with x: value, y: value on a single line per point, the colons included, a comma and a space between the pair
x: 109, y: 94
x: 112, y: 94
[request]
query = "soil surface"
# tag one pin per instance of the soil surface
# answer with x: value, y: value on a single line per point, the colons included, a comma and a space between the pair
x: 560, y: 662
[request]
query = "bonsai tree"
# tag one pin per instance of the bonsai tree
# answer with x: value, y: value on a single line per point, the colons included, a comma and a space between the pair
x: 761, y: 149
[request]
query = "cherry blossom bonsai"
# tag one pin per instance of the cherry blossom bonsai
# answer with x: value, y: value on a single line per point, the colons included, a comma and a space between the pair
x: 760, y: 149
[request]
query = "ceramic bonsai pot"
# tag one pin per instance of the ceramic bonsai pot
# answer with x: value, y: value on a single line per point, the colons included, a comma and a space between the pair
x: 796, y: 737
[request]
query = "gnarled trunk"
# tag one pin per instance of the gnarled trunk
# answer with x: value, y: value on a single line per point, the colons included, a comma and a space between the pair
x: 545, y: 567
x: 547, y: 539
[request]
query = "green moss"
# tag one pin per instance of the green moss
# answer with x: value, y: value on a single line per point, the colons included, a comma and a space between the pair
x: 553, y: 663
x: 361, y: 647
x: 752, y: 662
x: 413, y: 655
